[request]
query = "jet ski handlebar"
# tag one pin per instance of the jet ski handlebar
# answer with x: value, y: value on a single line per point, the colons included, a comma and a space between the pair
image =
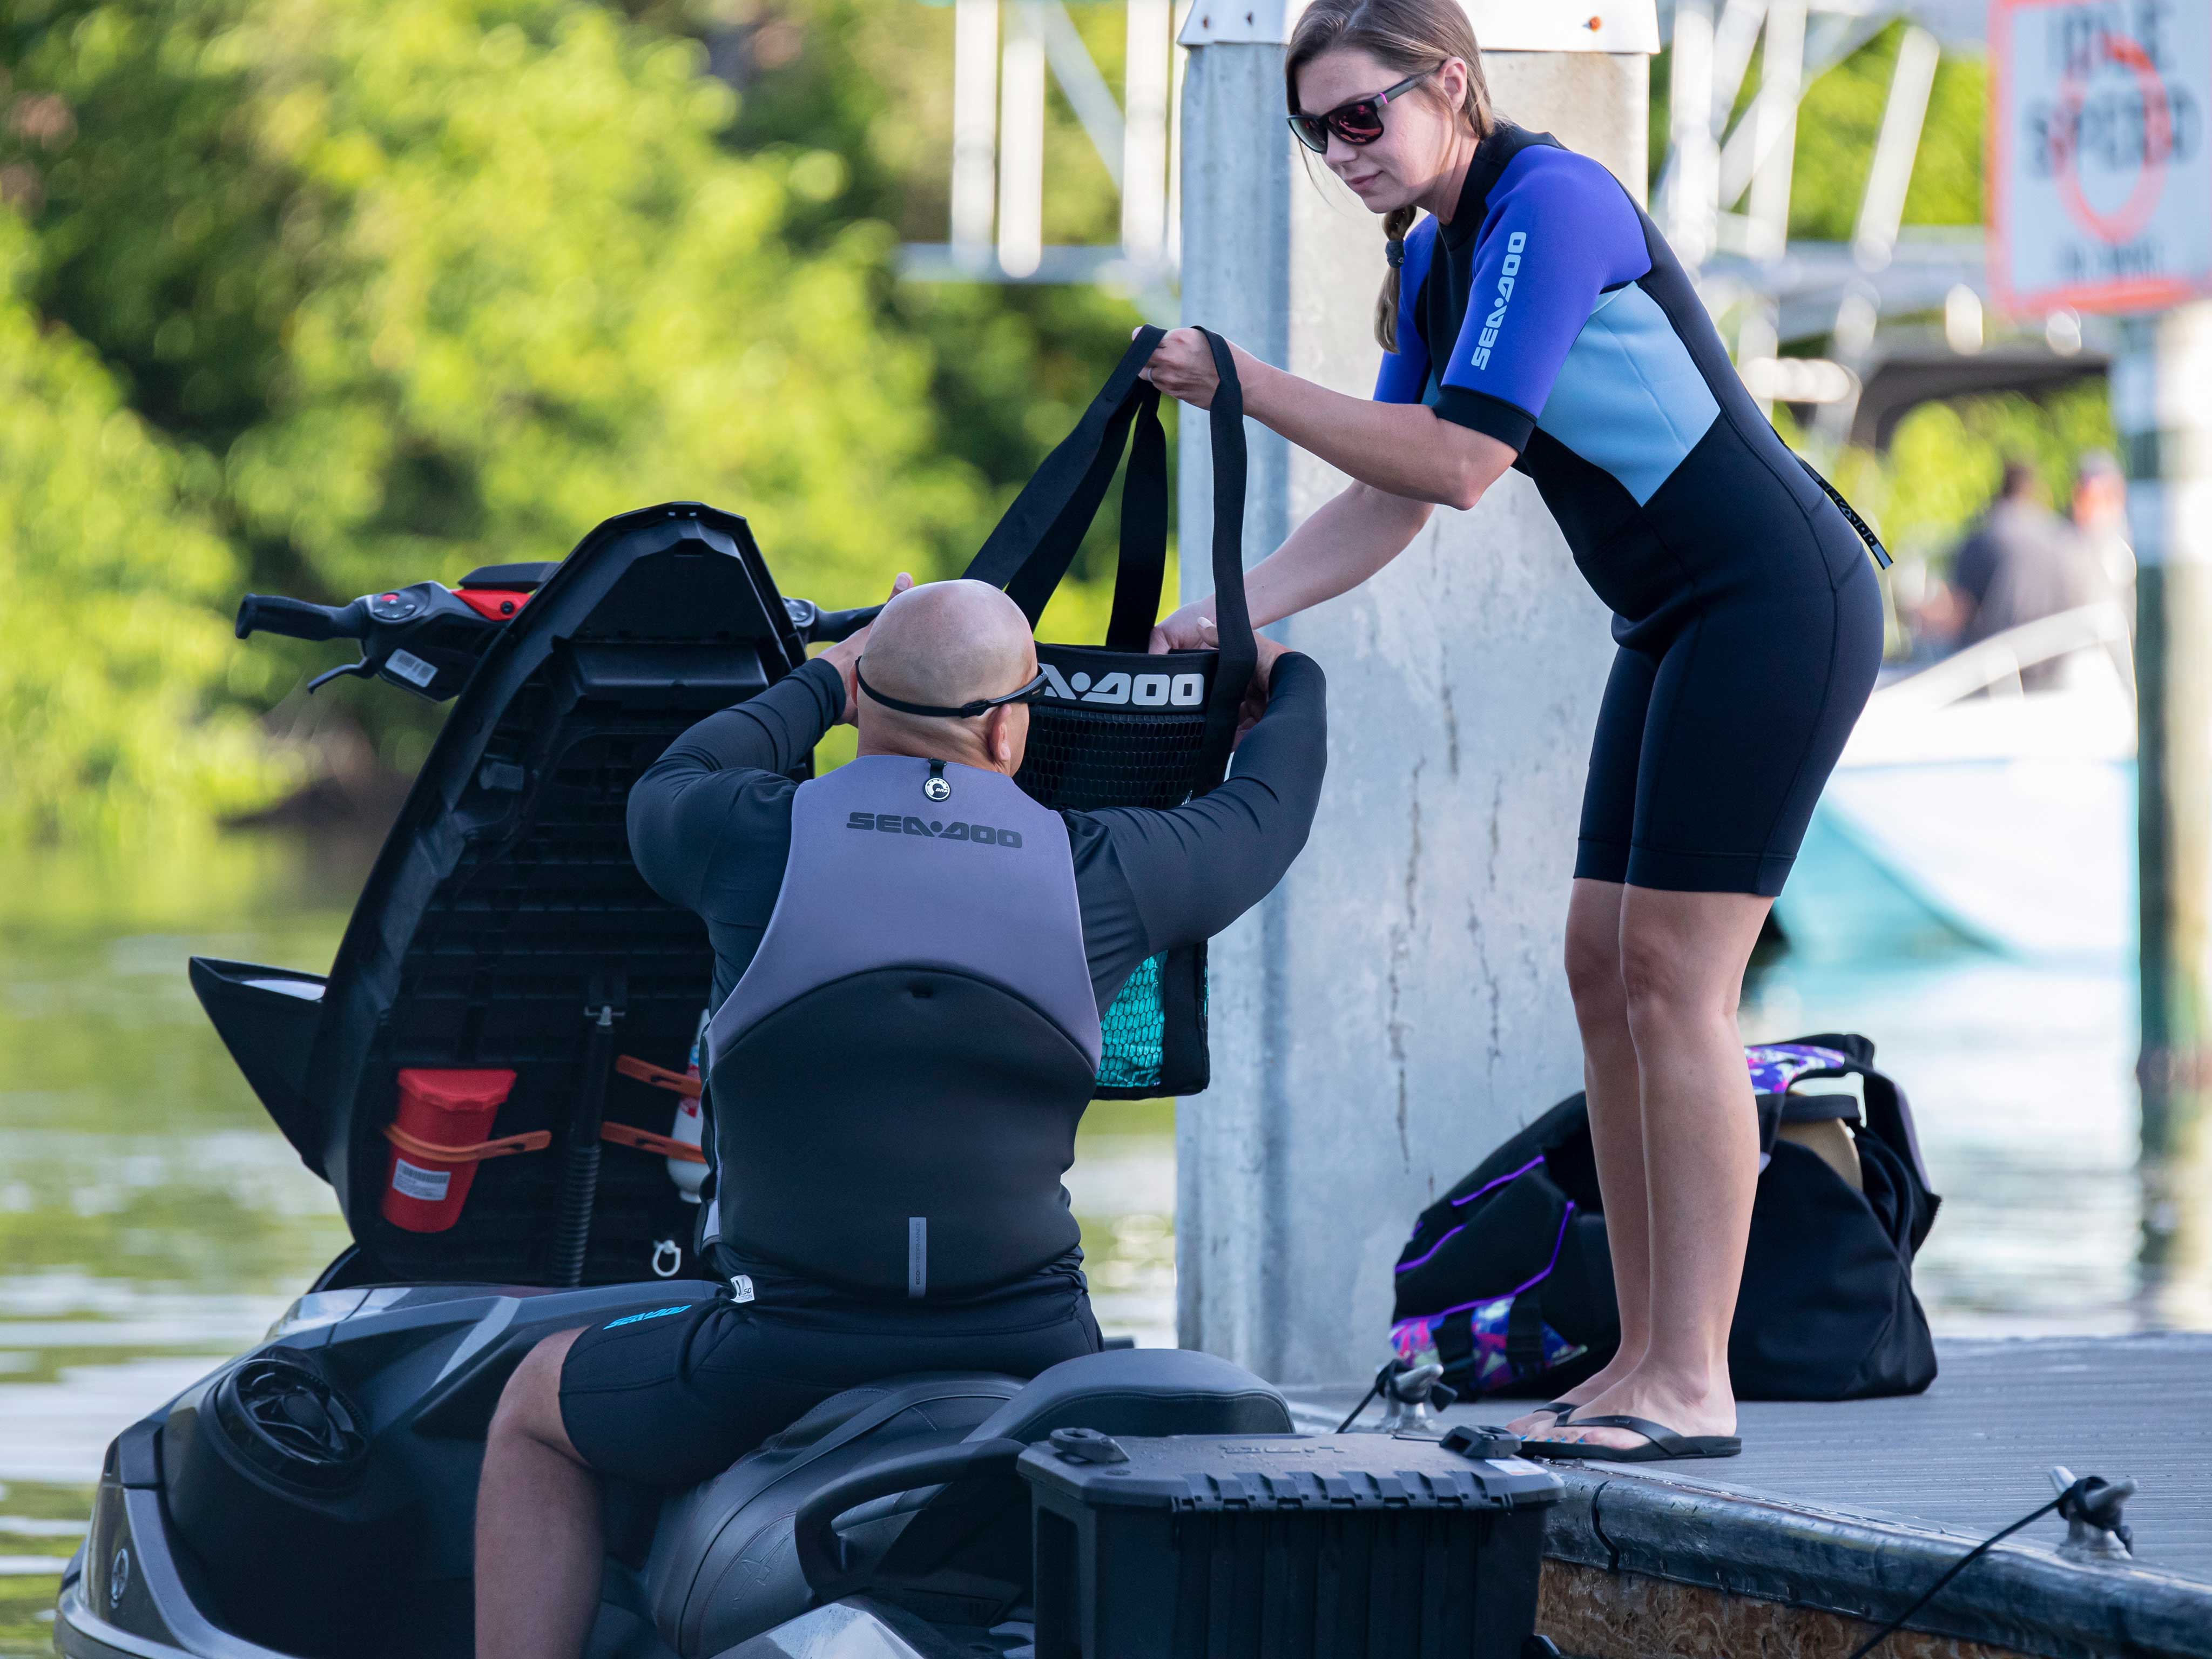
x: 271, y: 613
x: 425, y: 638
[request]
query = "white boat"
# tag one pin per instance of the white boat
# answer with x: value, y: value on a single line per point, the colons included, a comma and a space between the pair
x: 1970, y: 808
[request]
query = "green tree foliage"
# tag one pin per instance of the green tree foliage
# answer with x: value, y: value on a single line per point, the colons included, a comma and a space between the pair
x: 515, y: 284
x: 412, y: 285
x: 114, y: 665
x: 1013, y: 367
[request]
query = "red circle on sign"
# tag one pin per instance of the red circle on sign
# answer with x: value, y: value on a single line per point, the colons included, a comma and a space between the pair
x: 2158, y: 143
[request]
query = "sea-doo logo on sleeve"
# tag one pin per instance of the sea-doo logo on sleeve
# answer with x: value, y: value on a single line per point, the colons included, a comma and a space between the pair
x: 1507, y: 273
x: 905, y: 824
x: 1121, y: 690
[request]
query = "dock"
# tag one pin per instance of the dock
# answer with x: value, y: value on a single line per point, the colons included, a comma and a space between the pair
x: 1839, y: 1515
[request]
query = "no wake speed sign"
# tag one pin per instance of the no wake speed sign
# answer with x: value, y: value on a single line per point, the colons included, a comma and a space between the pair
x: 2101, y: 175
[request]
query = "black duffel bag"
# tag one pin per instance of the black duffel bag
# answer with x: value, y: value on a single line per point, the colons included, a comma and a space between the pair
x: 1117, y: 726
x: 1507, y: 1279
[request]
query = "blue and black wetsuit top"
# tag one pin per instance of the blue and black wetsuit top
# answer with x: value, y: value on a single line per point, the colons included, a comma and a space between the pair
x: 1551, y: 314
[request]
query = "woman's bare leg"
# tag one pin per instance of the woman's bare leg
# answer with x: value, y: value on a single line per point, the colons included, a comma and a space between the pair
x: 538, y: 1548
x: 1683, y: 956
x: 1610, y: 1081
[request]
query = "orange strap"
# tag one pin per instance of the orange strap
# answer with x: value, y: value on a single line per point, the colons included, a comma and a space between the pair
x: 681, y: 1082
x: 535, y: 1141
x: 645, y: 1141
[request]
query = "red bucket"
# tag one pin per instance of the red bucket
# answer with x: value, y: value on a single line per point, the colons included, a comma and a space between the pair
x: 439, y: 1137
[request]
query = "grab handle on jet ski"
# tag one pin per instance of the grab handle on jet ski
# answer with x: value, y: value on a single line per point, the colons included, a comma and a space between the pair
x: 821, y: 1552
x: 272, y: 613
x: 818, y: 627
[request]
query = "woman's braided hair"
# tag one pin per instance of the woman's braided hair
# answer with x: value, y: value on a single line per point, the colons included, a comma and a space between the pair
x: 1407, y: 36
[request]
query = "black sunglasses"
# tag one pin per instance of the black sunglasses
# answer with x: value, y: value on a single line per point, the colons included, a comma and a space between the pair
x: 1359, y: 122
x: 1029, y: 693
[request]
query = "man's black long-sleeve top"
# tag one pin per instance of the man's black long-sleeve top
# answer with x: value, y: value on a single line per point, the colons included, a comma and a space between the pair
x: 710, y: 827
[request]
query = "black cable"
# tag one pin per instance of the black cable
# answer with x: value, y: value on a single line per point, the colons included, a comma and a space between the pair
x: 1373, y: 1389
x: 1966, y: 1561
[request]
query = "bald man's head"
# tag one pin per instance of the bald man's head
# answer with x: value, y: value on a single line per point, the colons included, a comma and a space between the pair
x: 946, y: 644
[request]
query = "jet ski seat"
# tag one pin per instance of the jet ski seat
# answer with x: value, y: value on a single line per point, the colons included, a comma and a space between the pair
x: 725, y: 1566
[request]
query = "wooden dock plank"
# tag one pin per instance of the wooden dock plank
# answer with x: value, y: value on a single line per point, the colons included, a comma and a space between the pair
x: 1969, y: 1456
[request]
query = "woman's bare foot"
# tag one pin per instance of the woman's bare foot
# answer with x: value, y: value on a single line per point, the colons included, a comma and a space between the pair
x: 1708, y: 1407
x: 1530, y: 1424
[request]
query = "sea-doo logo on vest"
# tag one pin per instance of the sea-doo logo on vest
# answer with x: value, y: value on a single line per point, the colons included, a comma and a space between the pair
x: 1126, y: 690
x: 938, y: 789
x: 1506, y: 275
x: 905, y: 824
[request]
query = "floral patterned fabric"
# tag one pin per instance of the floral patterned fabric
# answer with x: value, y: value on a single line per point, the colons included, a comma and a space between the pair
x: 1489, y: 1370
x: 1774, y: 1066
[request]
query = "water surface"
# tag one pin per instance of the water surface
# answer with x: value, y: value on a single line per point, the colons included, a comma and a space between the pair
x: 152, y: 1222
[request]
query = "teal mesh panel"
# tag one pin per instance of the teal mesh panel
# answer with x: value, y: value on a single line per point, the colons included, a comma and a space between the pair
x: 1130, y: 1055
x: 1083, y: 757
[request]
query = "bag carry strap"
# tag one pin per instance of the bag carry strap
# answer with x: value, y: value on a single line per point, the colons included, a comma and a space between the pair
x: 1232, y: 614
x: 1143, y: 566
x: 1033, y: 544
x: 1889, y: 1113
x: 1036, y: 541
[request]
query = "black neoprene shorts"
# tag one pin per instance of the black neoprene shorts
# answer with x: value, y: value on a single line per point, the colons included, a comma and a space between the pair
x: 670, y: 1399
x: 1726, y: 710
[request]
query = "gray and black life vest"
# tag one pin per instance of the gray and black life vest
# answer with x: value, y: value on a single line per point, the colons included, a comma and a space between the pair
x: 897, y: 1078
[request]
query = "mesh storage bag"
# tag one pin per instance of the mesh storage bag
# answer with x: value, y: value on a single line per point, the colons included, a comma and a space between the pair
x: 1117, y: 726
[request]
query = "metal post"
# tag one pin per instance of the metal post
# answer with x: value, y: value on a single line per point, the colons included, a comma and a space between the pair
x: 1181, y: 60
x: 1144, y: 132
x: 1881, y: 215
x: 975, y: 129
x: 1398, y: 1005
x: 1693, y: 180
x: 2162, y: 404
x: 1021, y: 142
x: 1774, y: 144
x: 1734, y: 38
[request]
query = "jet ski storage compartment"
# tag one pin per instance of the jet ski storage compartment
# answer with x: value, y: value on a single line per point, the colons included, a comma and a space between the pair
x: 505, y: 929
x: 1296, y: 1546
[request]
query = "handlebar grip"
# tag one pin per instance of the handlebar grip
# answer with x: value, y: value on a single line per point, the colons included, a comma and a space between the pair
x: 271, y: 613
x: 831, y: 626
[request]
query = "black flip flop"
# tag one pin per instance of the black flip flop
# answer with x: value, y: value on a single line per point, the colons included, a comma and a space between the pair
x: 1662, y: 1444
x: 1561, y: 1410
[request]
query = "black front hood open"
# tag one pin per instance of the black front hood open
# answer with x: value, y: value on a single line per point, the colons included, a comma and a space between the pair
x: 505, y: 901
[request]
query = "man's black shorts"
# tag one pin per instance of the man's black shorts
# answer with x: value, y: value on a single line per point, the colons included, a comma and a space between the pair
x: 672, y: 1397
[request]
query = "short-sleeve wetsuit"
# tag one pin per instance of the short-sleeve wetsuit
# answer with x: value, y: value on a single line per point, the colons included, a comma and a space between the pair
x: 1550, y: 314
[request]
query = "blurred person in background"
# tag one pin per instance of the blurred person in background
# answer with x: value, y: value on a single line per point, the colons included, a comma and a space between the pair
x: 2100, y: 516
x: 2022, y: 562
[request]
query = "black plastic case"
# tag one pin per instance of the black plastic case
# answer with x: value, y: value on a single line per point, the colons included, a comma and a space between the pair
x: 1290, y: 1546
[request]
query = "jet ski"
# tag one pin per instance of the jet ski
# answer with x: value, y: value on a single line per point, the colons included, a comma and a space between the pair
x: 507, y: 967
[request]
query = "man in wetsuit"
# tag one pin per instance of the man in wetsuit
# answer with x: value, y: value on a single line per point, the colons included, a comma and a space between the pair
x: 912, y: 957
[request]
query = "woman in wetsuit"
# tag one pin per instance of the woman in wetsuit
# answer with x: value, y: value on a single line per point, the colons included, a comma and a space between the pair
x: 1534, y: 319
